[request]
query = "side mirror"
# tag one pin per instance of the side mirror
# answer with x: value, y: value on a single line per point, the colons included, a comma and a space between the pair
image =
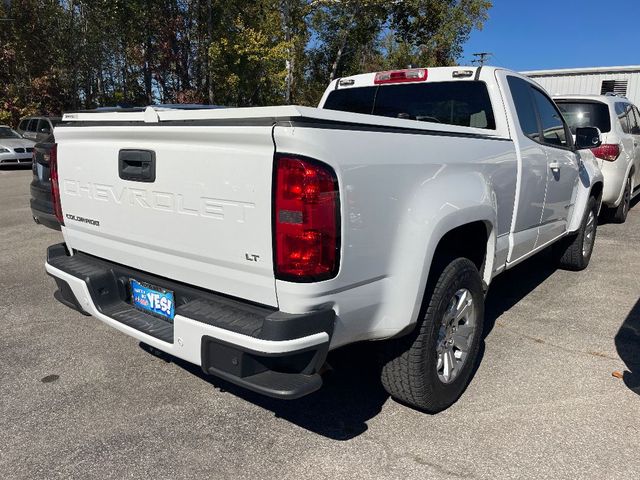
x: 587, y: 137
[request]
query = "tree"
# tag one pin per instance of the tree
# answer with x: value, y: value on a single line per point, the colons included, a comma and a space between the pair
x: 436, y: 30
x: 73, y: 54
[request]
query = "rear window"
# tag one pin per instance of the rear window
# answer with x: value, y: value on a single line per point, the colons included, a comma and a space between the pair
x: 465, y: 104
x: 585, y: 114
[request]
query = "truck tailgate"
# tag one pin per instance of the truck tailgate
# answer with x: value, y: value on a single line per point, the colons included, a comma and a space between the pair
x: 203, y: 218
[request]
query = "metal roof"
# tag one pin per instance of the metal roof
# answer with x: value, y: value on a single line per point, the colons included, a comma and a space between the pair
x: 588, y: 70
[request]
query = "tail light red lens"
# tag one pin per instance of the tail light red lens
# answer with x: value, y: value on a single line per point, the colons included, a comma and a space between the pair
x: 55, y: 187
x: 401, y: 76
x: 607, y: 151
x: 306, y: 220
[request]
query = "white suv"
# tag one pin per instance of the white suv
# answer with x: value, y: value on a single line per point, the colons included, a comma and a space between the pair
x: 619, y: 155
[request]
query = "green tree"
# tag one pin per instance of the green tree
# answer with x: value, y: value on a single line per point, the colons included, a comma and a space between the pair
x: 71, y: 54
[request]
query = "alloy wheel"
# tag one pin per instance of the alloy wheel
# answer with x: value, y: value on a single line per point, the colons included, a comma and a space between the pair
x: 455, y: 335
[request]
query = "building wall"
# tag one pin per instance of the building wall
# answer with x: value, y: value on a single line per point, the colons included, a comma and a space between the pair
x: 588, y: 83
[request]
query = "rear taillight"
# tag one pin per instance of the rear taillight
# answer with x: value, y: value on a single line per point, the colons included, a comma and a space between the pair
x: 401, y: 76
x: 607, y: 151
x: 55, y: 187
x: 306, y: 220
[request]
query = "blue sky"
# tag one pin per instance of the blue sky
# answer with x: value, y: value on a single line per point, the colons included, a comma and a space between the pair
x: 542, y: 34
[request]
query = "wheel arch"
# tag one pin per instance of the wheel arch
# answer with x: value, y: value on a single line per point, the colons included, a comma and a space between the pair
x: 590, y: 182
x: 470, y: 233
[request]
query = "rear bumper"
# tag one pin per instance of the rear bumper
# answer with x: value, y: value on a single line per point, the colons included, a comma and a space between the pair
x: 259, y: 348
x: 42, y: 217
x: 42, y: 205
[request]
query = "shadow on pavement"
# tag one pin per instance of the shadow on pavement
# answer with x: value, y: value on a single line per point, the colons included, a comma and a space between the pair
x: 350, y: 396
x: 352, y: 393
x: 513, y: 285
x: 628, y: 346
x: 15, y: 166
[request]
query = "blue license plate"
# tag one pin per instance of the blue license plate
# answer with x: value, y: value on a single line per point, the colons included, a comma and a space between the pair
x: 154, y: 300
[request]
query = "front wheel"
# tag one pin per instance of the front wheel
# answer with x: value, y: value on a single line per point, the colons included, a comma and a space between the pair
x: 575, y: 251
x: 431, y: 367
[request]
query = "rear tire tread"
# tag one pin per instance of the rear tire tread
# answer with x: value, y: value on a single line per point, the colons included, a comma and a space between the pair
x: 404, y: 374
x: 570, y: 248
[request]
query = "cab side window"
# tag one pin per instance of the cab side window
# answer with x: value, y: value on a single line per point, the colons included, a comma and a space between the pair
x: 33, y: 125
x: 523, y: 101
x: 554, y: 130
x: 23, y: 125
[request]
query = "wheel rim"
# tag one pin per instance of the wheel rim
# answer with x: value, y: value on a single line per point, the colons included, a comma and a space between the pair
x: 589, y: 234
x: 455, y: 335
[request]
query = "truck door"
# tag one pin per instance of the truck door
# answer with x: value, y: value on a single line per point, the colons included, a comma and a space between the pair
x: 533, y: 171
x: 562, y: 171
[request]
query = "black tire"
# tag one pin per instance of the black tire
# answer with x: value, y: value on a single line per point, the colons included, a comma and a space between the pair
x: 619, y: 214
x: 574, y: 251
x: 410, y: 370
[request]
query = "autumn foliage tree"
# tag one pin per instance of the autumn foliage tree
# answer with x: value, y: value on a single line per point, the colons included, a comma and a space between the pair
x: 76, y: 54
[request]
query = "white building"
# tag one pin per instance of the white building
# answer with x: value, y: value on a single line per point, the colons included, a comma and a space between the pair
x: 623, y: 81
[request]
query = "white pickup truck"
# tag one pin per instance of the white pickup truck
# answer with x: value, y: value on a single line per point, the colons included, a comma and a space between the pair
x: 251, y: 241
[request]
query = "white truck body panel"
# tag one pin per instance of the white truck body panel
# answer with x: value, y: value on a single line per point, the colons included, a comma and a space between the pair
x: 208, y: 207
x: 387, y: 227
x: 206, y: 220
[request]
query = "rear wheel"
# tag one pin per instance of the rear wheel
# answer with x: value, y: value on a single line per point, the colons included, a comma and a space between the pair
x: 431, y: 367
x: 575, y: 251
x: 619, y: 214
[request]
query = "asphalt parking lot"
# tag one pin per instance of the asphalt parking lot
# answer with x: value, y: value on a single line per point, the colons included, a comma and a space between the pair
x: 81, y: 400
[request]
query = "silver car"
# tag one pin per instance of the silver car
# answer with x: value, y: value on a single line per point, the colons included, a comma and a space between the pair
x: 38, y: 129
x: 14, y: 149
x: 619, y: 155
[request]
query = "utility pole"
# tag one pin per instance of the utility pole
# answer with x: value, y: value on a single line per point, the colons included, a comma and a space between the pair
x: 481, y: 58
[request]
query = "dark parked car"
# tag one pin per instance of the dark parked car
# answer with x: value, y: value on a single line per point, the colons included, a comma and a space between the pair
x: 41, y: 199
x: 38, y: 129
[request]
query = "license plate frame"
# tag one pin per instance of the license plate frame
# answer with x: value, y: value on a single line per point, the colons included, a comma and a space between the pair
x: 152, y: 304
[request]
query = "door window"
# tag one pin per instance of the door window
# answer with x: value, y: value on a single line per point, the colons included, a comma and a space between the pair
x: 43, y: 126
x: 554, y: 130
x: 33, y: 125
x: 23, y: 125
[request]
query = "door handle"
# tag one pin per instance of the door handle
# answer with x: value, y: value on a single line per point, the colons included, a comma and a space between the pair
x: 554, y: 166
x: 137, y: 165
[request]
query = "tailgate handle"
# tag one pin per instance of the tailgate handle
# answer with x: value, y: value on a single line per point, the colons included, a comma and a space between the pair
x: 137, y: 165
